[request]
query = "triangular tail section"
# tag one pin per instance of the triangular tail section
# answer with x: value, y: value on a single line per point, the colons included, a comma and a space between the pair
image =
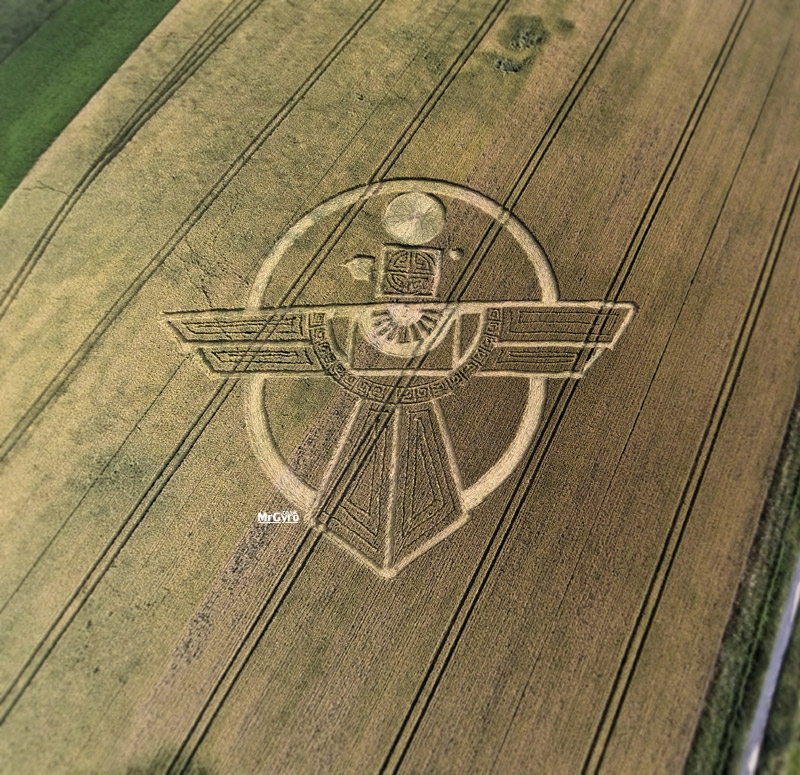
x: 393, y: 489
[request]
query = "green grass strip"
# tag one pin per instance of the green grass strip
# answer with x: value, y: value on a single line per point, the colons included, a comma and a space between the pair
x: 49, y: 77
x: 744, y: 656
x: 780, y: 750
x: 19, y: 19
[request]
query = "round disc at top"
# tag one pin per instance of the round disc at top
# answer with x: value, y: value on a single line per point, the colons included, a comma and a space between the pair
x: 414, y: 218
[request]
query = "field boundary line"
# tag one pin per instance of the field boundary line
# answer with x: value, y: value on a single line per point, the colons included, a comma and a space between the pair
x: 186, y: 65
x: 752, y: 613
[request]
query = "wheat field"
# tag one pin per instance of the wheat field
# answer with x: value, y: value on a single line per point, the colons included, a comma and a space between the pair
x: 563, y: 618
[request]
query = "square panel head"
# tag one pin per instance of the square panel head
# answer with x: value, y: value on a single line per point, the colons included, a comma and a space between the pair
x: 409, y: 273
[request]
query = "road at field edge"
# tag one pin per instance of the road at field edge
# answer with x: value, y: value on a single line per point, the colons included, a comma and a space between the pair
x: 759, y: 726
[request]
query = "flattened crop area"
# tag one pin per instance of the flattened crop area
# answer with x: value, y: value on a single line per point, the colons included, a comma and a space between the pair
x: 505, y: 561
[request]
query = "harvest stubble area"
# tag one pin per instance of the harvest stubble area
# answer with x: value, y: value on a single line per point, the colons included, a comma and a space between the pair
x: 571, y: 625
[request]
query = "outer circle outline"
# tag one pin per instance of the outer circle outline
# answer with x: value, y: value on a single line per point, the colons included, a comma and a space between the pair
x: 260, y: 431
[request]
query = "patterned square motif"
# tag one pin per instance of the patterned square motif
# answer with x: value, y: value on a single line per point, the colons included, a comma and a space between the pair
x: 409, y: 271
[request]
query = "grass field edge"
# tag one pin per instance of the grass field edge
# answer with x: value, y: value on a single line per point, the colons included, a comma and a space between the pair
x: 780, y: 748
x: 57, y: 67
x: 743, y: 658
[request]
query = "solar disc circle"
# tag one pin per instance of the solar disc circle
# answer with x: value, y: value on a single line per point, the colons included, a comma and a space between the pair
x: 414, y: 218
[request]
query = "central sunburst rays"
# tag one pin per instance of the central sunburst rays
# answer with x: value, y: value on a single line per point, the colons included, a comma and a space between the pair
x: 404, y: 323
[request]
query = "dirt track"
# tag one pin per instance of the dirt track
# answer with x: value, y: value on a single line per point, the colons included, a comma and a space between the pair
x: 572, y: 623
